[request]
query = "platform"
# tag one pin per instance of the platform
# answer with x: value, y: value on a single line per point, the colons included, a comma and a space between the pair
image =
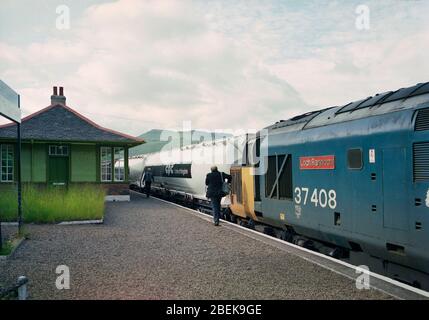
x: 150, y: 249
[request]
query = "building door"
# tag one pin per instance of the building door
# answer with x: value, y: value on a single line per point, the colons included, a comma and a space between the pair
x: 58, y: 172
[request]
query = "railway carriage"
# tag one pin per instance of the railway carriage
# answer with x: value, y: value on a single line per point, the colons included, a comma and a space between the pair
x: 180, y: 173
x: 352, y: 180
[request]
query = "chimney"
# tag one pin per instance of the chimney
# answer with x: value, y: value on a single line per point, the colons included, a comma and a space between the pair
x: 58, y: 98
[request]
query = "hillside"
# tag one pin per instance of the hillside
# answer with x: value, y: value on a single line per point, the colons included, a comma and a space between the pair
x: 154, y: 142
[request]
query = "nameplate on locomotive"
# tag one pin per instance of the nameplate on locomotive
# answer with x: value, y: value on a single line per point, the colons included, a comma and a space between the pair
x: 317, y: 163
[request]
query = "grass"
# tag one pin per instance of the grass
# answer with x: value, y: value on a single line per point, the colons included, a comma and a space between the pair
x: 50, y: 205
x: 6, y: 248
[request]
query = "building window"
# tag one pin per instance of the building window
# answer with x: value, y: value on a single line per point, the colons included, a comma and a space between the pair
x: 354, y: 159
x: 119, y: 166
x: 278, y: 179
x: 6, y: 159
x: 106, y: 163
x: 61, y: 151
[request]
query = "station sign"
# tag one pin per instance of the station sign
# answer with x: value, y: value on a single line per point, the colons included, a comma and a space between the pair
x: 9, y: 103
x: 317, y: 162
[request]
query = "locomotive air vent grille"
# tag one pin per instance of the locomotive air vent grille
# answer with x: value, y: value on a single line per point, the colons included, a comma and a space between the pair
x: 422, y: 120
x: 421, y: 161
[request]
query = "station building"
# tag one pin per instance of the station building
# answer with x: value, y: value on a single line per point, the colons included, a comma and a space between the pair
x: 62, y: 147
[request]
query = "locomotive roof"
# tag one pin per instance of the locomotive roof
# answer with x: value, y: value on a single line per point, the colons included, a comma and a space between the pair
x: 380, y: 103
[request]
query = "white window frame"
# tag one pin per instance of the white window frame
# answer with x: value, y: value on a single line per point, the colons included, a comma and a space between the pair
x: 121, y: 178
x: 56, y: 149
x: 109, y: 172
x: 7, y: 146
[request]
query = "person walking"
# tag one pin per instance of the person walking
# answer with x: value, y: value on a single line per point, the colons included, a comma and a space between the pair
x: 214, y: 183
x: 148, y: 179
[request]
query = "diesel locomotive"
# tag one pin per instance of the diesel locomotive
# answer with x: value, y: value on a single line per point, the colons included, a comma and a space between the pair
x: 350, y: 181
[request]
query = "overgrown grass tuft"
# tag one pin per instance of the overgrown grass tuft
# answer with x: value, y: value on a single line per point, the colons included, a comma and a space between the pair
x: 6, y: 248
x: 50, y: 205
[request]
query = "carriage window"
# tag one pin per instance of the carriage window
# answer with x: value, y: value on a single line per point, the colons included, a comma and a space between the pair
x: 354, y: 159
x: 278, y: 179
x: 236, y: 186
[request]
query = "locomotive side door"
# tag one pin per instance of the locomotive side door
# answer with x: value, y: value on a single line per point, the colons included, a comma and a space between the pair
x: 395, y: 193
x: 365, y: 182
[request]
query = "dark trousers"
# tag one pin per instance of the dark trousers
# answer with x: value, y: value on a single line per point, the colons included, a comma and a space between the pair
x: 216, y: 208
x: 147, y: 188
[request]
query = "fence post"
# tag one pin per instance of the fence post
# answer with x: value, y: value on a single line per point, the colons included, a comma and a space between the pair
x: 22, y: 288
x: 19, y: 173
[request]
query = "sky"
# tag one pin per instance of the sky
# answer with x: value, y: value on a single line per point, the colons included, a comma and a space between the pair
x: 134, y: 65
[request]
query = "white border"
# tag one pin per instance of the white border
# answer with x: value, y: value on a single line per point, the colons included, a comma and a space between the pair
x: 63, y: 223
x: 117, y: 198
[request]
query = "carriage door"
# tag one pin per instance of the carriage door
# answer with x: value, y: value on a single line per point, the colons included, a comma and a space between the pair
x: 395, y: 193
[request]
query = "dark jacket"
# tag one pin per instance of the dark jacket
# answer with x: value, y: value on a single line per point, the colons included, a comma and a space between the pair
x: 148, y: 177
x: 214, y: 183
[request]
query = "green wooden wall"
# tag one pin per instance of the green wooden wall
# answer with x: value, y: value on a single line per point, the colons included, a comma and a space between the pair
x: 34, y: 163
x: 83, y: 163
x: 26, y: 163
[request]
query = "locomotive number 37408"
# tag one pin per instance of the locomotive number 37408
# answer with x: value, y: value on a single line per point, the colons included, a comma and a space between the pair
x: 319, y: 197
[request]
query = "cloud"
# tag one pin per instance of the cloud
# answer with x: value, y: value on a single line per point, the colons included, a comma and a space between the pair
x: 341, y: 74
x: 315, y: 47
x: 135, y: 65
x: 346, y: 64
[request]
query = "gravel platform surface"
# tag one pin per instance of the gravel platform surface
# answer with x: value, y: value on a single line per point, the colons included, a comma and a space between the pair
x: 147, y: 249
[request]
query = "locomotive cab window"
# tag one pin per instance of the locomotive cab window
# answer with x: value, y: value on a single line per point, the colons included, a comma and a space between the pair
x: 278, y: 178
x: 354, y: 159
x: 257, y: 182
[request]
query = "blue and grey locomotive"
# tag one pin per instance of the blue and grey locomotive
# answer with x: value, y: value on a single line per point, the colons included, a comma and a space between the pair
x: 354, y: 178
